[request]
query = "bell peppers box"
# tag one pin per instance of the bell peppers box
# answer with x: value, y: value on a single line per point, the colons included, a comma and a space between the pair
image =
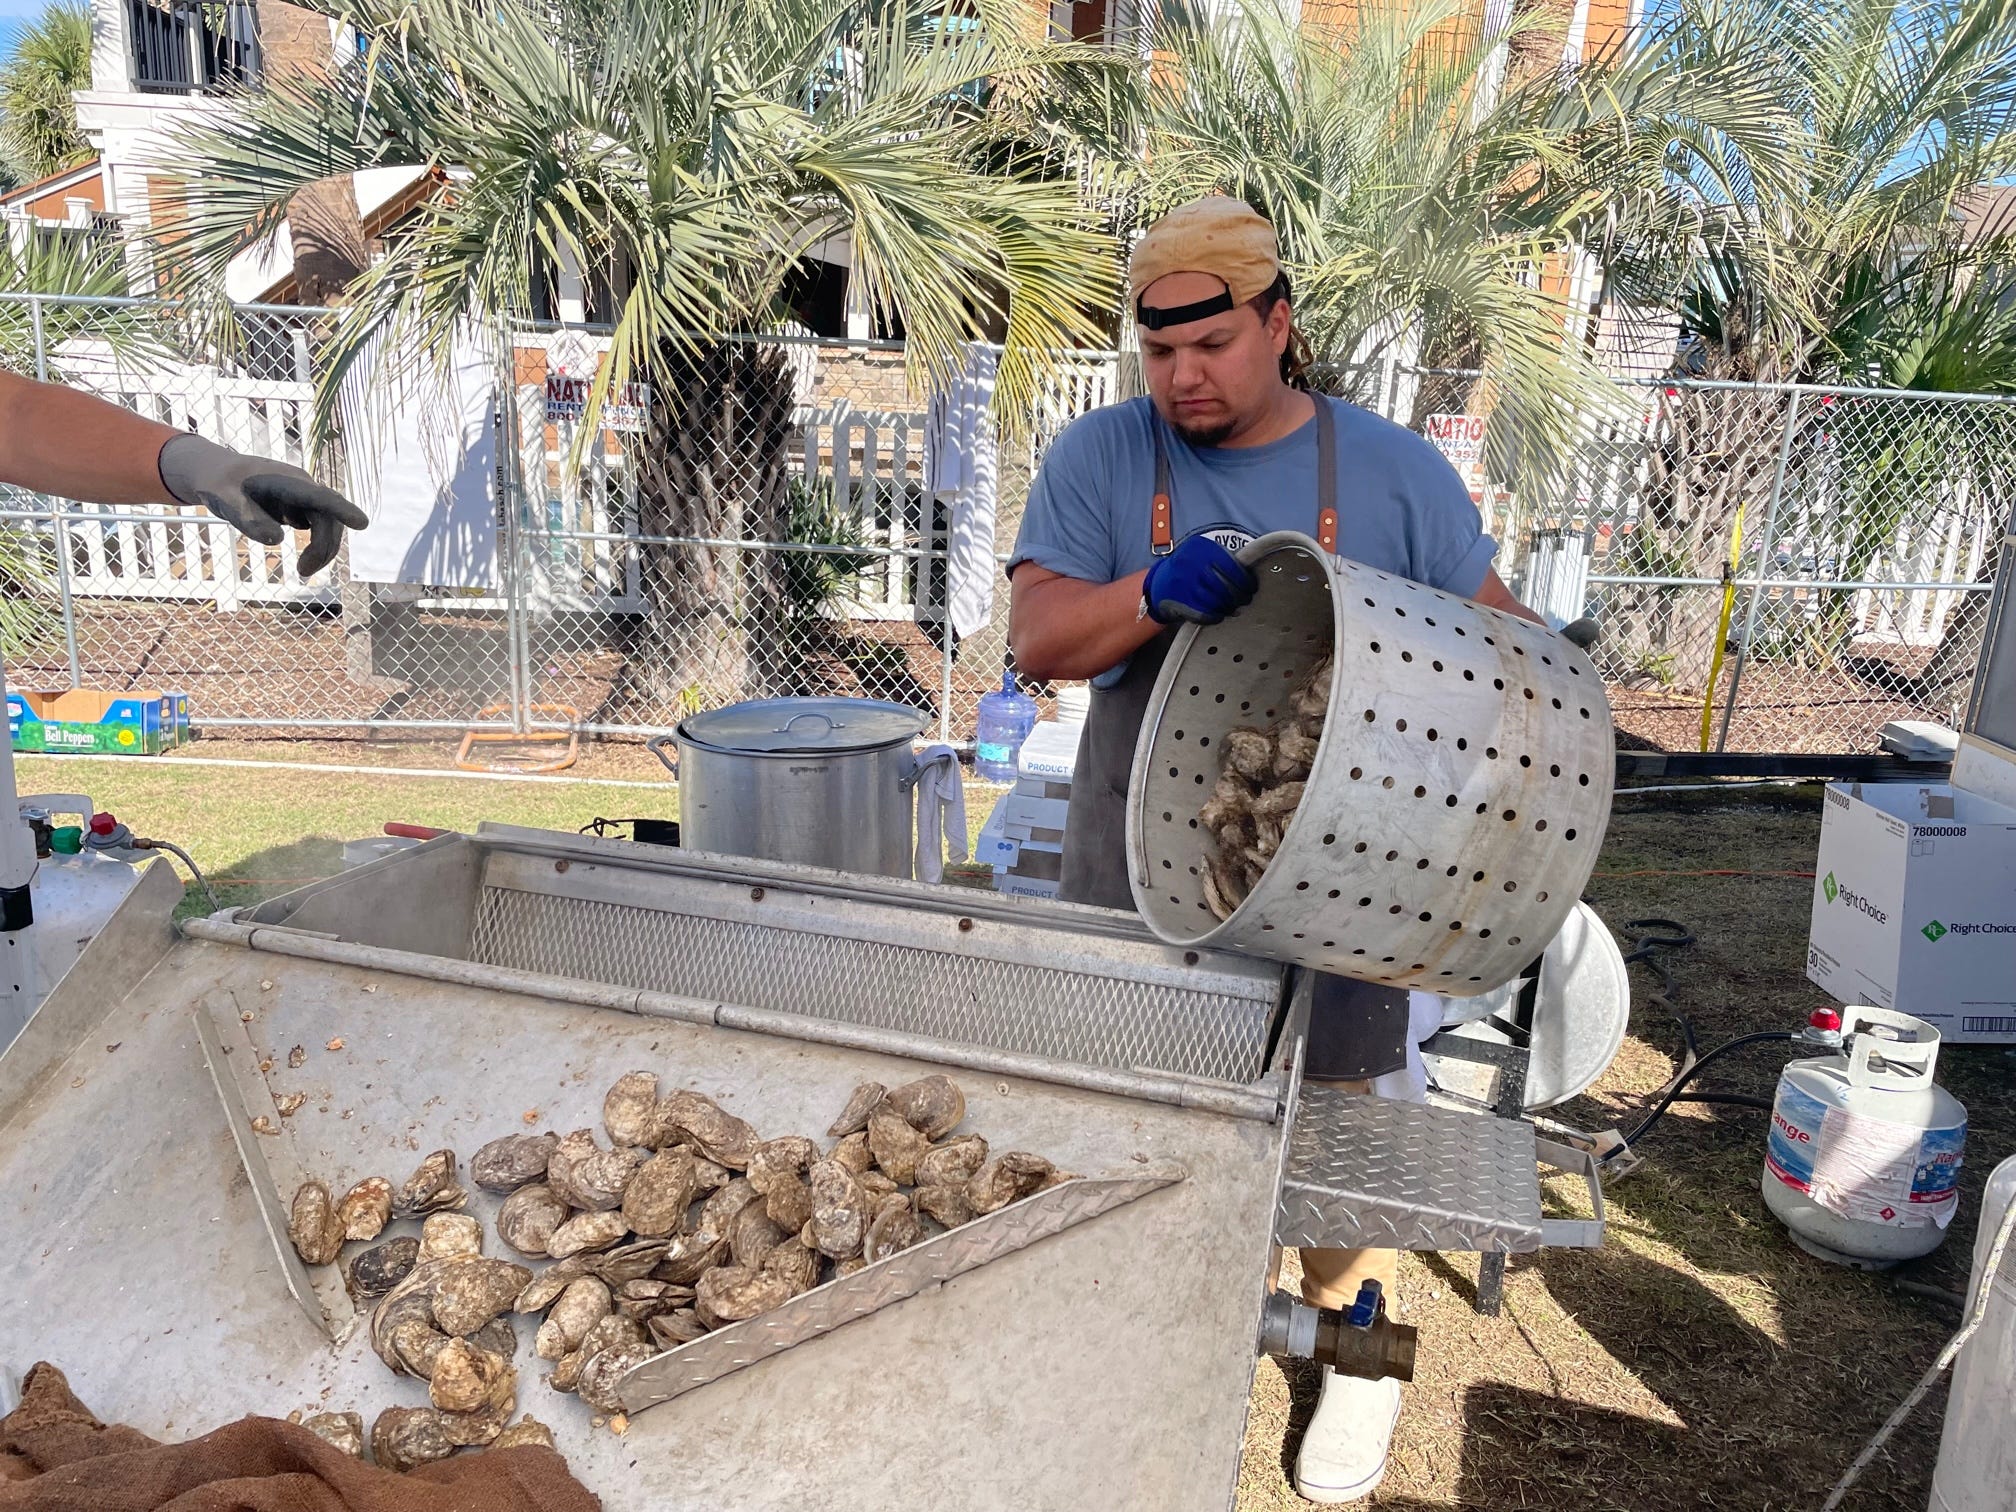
x: 1914, y: 907
x: 89, y: 722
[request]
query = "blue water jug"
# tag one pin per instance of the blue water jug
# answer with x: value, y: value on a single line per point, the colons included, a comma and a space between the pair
x: 1006, y: 718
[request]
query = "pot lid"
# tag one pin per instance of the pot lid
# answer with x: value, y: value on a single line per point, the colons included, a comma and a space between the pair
x: 772, y: 726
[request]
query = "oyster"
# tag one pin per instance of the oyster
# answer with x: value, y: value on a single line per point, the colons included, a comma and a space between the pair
x: 407, y: 1436
x: 1279, y: 802
x: 1312, y: 699
x: 932, y: 1105
x: 789, y: 1204
x: 839, y: 1210
x: 655, y: 1201
x: 792, y: 1261
x: 1248, y: 753
x: 711, y: 1174
x: 948, y: 1205
x: 629, y: 1262
x: 469, y: 1291
x: 366, y: 1208
x: 314, y: 1225
x: 468, y: 1379
x: 505, y: 1165
x: 566, y: 1372
x: 689, y: 1118
x: 499, y: 1337
x: 377, y: 1270
x: 897, y: 1146
x: 776, y: 1162
x: 345, y: 1430
x: 670, y: 1330
x: 430, y: 1189
x: 472, y: 1430
x: 877, y: 1184
x: 418, y: 1346
x: 450, y: 1234
x: 411, y: 1300
x: 854, y: 1117
x: 1294, y: 755
x: 529, y: 1216
x: 955, y: 1161
x: 579, y: 1308
x: 629, y: 1111
x: 527, y: 1430
x: 604, y: 1372
x: 894, y: 1227
x: 1007, y: 1177
x: 730, y: 1293
x: 752, y: 1235
x: 645, y: 1299
x: 586, y: 1231
x: 613, y: 1332
x: 853, y: 1152
x: 717, y: 1213
x: 689, y: 1257
x: 542, y: 1289
x: 596, y: 1183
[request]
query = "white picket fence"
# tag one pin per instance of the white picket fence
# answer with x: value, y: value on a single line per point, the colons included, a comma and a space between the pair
x: 144, y: 552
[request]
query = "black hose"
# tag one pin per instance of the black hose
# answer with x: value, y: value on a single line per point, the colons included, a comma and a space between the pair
x: 1679, y: 1082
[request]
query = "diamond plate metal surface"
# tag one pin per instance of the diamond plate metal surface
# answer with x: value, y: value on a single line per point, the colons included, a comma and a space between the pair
x: 1368, y: 1172
x: 904, y: 1274
x: 1040, y: 1010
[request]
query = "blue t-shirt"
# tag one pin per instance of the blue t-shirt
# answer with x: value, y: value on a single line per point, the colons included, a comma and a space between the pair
x: 1401, y: 508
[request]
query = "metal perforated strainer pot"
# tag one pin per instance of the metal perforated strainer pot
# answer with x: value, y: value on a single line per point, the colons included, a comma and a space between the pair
x: 1456, y: 802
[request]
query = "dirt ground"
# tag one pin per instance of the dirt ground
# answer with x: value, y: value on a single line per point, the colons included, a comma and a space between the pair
x: 1698, y: 1358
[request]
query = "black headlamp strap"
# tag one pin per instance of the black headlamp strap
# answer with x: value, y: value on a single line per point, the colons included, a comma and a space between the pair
x: 1155, y: 320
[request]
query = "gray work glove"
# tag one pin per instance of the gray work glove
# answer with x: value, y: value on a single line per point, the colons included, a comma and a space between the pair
x: 259, y: 497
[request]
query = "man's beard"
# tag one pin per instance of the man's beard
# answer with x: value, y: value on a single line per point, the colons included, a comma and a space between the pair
x: 1209, y: 435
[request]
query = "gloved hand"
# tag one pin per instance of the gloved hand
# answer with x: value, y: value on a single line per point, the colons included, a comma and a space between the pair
x: 1200, y: 582
x: 259, y: 497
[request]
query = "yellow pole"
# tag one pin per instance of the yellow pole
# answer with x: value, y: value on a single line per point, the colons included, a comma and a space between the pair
x: 1722, y: 629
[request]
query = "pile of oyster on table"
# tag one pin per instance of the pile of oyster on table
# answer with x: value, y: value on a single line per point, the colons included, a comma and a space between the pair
x: 686, y: 1221
x: 1260, y: 781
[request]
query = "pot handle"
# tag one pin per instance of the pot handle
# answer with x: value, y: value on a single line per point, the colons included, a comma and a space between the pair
x: 911, y: 772
x: 830, y: 723
x: 656, y: 746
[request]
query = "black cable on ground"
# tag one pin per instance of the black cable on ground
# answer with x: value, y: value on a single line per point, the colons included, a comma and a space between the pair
x: 1674, y: 1088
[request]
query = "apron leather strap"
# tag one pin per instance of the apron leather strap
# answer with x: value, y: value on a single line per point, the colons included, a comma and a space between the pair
x: 1161, y: 518
x: 1161, y: 522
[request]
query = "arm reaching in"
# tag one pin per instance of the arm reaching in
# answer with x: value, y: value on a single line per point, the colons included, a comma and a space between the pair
x: 58, y: 441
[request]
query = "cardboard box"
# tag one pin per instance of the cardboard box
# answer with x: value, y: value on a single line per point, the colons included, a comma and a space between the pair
x: 1914, y: 907
x: 1035, y: 813
x: 1016, y: 886
x: 90, y: 722
x: 1051, y: 751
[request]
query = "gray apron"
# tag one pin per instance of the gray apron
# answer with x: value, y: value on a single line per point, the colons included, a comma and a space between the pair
x: 1356, y: 1029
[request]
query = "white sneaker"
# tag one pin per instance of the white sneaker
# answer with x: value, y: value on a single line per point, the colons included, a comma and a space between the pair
x: 1343, y: 1454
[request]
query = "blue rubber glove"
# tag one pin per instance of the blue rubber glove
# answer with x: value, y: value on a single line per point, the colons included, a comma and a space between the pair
x: 1200, y: 582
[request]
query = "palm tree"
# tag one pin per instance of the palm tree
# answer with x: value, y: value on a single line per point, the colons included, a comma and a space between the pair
x: 38, y: 116
x: 1841, y: 260
x: 698, y: 148
x: 1418, y: 196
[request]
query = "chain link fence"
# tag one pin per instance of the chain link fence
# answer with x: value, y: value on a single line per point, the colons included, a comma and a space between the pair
x: 1774, y: 568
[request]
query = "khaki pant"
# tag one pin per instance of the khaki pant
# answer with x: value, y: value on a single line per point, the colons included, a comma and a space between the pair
x: 1331, y: 1278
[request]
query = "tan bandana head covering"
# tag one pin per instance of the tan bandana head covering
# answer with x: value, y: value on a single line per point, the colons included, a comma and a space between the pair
x: 1218, y: 235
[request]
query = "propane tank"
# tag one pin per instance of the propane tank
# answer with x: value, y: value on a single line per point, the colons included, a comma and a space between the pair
x: 1864, y: 1154
x: 1977, y: 1455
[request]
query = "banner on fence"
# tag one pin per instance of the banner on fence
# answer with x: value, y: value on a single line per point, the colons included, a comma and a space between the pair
x: 1460, y: 438
x: 567, y: 399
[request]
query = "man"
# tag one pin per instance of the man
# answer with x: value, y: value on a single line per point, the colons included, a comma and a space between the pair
x: 1130, y: 530
x: 57, y: 441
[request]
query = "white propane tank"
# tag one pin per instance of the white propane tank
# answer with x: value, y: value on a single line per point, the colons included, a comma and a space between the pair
x: 1864, y: 1152
x: 1977, y: 1453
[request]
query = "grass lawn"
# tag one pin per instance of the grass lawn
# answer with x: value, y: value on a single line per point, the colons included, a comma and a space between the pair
x: 1697, y: 1359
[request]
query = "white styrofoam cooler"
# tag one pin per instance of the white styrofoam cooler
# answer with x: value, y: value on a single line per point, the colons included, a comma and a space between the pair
x: 1914, y: 906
